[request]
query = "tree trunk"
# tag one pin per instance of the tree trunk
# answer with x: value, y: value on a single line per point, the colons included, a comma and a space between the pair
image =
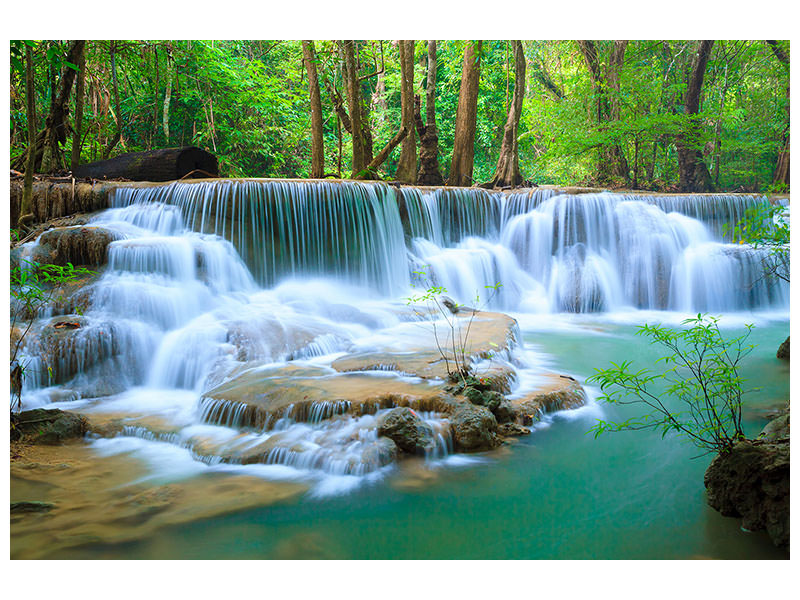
x: 611, y: 161
x: 407, y: 165
x: 118, y: 115
x: 165, y: 164
x: 429, y: 173
x: 782, y: 165
x: 78, y: 122
x: 167, y: 96
x: 693, y: 173
x: 27, y: 193
x: 507, y: 173
x: 369, y: 171
x: 466, y: 117
x: 317, y: 148
x: 362, y: 140
x: 48, y: 143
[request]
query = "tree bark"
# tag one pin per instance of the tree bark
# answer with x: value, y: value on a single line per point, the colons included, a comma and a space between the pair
x: 611, y: 161
x: 782, y: 165
x: 317, y: 147
x: 369, y: 171
x: 693, y: 175
x: 165, y: 164
x: 167, y: 96
x: 27, y: 192
x: 48, y: 143
x: 407, y: 164
x: 428, y: 173
x: 112, y: 143
x: 359, y: 130
x: 507, y: 173
x: 462, y: 162
x: 78, y: 122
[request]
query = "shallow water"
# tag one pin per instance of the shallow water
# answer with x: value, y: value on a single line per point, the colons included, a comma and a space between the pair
x: 556, y: 494
x: 276, y: 280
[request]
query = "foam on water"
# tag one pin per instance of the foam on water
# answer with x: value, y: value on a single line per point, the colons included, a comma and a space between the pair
x: 204, y: 279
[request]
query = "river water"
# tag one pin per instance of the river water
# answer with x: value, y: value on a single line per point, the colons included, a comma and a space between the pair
x: 208, y: 278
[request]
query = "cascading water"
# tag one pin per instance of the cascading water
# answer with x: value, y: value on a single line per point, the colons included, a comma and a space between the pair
x: 279, y: 279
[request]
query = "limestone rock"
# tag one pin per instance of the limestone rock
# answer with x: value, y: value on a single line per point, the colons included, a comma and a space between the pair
x: 511, y: 430
x: 752, y: 482
x: 84, y: 245
x: 474, y: 428
x: 383, y: 452
x: 783, y: 351
x: 404, y: 427
x: 52, y: 427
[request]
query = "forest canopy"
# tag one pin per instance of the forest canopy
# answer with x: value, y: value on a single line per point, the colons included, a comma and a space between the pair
x: 660, y: 115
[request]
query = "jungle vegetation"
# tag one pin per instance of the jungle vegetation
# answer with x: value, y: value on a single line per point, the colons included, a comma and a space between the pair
x: 693, y: 115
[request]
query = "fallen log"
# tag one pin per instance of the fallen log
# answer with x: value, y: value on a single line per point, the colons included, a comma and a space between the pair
x: 166, y: 164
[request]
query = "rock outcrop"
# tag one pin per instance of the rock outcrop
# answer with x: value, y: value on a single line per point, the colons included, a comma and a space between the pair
x: 41, y: 426
x: 474, y: 428
x: 752, y: 482
x: 783, y: 351
x: 83, y: 245
x: 404, y: 427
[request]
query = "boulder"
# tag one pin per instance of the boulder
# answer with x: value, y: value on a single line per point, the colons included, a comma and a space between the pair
x: 380, y: 454
x: 84, y: 245
x: 783, y: 351
x: 42, y: 426
x: 752, y: 482
x: 474, y: 428
x: 404, y: 427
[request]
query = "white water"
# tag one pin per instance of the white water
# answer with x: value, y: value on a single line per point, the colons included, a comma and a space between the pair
x: 208, y: 277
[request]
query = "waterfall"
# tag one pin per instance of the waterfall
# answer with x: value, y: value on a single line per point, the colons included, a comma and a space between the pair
x: 211, y: 280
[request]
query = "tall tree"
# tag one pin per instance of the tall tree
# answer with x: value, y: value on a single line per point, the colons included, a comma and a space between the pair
x: 168, y: 93
x: 317, y: 147
x: 359, y: 130
x: 605, y: 87
x: 48, y: 155
x: 429, y: 173
x: 27, y: 191
x: 407, y: 165
x: 693, y: 174
x: 75, y: 158
x: 782, y: 167
x: 507, y: 173
x: 112, y: 143
x: 462, y: 162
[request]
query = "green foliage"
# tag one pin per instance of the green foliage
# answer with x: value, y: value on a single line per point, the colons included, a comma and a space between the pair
x: 453, y: 345
x: 765, y: 226
x: 702, y: 395
x: 247, y: 101
x: 33, y: 287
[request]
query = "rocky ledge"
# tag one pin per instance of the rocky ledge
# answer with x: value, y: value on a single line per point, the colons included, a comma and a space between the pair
x: 751, y: 482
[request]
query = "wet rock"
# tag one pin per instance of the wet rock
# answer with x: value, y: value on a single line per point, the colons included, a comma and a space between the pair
x: 752, y: 482
x: 783, y: 351
x: 42, y: 426
x: 84, y: 245
x: 474, y: 428
x: 30, y: 507
x: 562, y: 392
x: 404, y: 427
x: 504, y: 412
x: 380, y: 454
x: 512, y: 430
x: 777, y: 429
